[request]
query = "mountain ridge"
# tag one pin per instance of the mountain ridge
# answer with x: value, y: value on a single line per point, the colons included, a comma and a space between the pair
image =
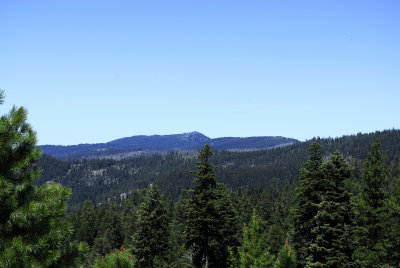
x: 147, y: 144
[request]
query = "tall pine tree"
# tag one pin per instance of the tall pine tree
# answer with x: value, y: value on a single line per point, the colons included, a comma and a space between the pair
x: 151, y: 238
x: 109, y: 236
x: 306, y: 207
x: 32, y: 232
x: 211, y: 225
x: 332, y: 233
x: 392, y: 224
x: 371, y: 213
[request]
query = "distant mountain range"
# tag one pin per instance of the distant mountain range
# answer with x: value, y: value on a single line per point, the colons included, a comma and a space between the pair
x: 142, y: 145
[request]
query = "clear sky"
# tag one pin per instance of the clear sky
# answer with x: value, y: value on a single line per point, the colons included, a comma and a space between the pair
x: 93, y: 71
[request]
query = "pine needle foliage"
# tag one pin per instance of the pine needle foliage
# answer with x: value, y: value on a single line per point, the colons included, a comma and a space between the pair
x: 371, y: 211
x: 307, y: 199
x: 31, y: 230
x: 286, y: 257
x: 211, y: 223
x: 151, y: 239
x: 253, y: 253
x: 333, y: 232
x: 117, y: 259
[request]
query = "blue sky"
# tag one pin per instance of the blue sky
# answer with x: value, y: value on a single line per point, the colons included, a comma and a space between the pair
x: 93, y: 71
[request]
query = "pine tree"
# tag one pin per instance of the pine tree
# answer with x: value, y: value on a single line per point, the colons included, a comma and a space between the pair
x: 211, y: 223
x: 371, y: 243
x: 332, y: 232
x: 286, y: 257
x: 280, y: 221
x: 306, y: 207
x: 108, y: 226
x: 83, y: 223
x: 31, y: 228
x: 392, y: 224
x: 253, y: 252
x: 117, y: 259
x: 128, y: 223
x: 151, y: 239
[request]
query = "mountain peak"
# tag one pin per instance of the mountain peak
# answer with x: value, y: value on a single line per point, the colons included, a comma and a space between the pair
x: 194, y: 135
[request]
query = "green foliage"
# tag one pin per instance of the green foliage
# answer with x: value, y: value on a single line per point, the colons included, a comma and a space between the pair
x: 253, y: 252
x: 178, y: 256
x: 371, y: 212
x: 308, y: 197
x: 211, y: 223
x: 84, y: 223
x: 280, y: 222
x: 100, y: 179
x: 128, y: 221
x: 31, y: 227
x: 323, y: 217
x: 332, y: 233
x: 286, y: 257
x: 151, y: 238
x: 109, y: 235
x: 392, y: 224
x: 117, y: 259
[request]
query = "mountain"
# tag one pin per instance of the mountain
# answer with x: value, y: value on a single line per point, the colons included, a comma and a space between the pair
x: 145, y: 145
x: 100, y: 179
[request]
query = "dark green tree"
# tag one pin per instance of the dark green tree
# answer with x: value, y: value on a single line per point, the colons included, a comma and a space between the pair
x: 392, y: 224
x: 32, y: 232
x: 128, y: 221
x: 371, y: 212
x: 108, y: 226
x: 307, y: 200
x: 280, y: 227
x: 331, y: 244
x: 151, y: 238
x: 211, y: 223
x: 84, y: 223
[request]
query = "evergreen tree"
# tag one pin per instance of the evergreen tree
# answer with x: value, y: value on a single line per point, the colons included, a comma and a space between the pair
x: 117, y: 259
x: 108, y: 226
x: 286, y: 257
x: 392, y: 225
x: 331, y: 246
x: 280, y: 222
x: 151, y: 239
x: 128, y: 223
x: 178, y: 256
x: 211, y: 225
x: 253, y: 252
x: 371, y: 212
x: 32, y: 232
x: 84, y: 223
x: 306, y: 207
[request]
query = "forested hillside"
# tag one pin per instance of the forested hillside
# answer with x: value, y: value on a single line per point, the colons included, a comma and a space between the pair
x: 335, y: 213
x: 321, y: 203
x: 100, y: 179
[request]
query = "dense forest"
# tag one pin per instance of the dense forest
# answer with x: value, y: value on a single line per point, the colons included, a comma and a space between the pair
x: 100, y: 179
x: 320, y: 203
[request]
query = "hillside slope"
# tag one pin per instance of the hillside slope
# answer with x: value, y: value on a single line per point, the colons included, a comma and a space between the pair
x: 97, y: 179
